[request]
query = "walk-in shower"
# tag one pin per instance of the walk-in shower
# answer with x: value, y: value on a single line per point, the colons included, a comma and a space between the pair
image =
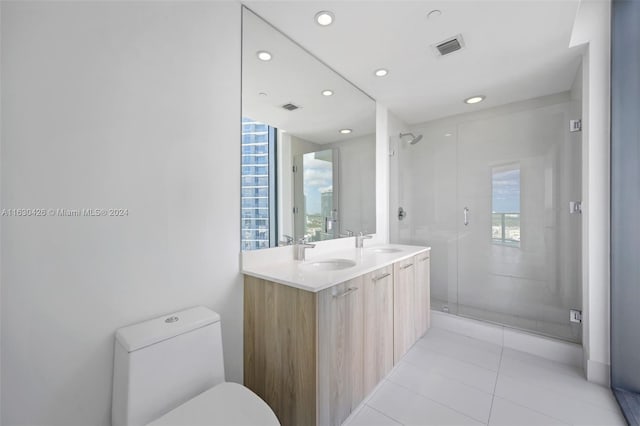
x: 491, y: 195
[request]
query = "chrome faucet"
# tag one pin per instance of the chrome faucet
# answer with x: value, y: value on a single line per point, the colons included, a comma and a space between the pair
x: 300, y: 248
x: 347, y: 233
x: 360, y: 239
x: 286, y: 241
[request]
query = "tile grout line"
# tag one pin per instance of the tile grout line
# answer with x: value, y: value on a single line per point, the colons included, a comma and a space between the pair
x: 434, y: 401
x: 515, y: 378
x: 384, y: 414
x: 535, y: 410
x: 563, y: 393
x: 444, y: 354
x: 495, y: 385
x: 467, y: 336
x: 444, y: 375
x: 517, y: 403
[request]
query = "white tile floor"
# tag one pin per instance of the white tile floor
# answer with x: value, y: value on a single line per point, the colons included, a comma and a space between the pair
x: 451, y: 379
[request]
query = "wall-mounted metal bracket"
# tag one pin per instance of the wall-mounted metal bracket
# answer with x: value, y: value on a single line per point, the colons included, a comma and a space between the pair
x: 575, y: 125
x: 575, y: 207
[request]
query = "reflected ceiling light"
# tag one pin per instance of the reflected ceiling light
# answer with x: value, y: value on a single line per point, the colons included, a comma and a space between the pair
x: 448, y: 134
x: 262, y: 94
x: 327, y: 92
x: 324, y: 18
x: 345, y: 131
x: 263, y: 55
x: 381, y: 72
x: 434, y: 14
x: 474, y: 99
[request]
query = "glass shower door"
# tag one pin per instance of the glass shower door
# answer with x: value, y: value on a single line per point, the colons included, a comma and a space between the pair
x: 518, y: 244
x: 426, y: 176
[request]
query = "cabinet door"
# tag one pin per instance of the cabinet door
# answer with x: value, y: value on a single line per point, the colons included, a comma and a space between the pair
x: 404, y: 333
x: 378, y: 326
x: 340, y: 351
x: 422, y: 297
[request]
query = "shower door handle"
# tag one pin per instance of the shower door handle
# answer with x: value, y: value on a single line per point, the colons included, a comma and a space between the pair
x: 466, y: 216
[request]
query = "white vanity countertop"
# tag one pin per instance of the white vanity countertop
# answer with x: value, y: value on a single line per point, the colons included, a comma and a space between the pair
x: 302, y: 275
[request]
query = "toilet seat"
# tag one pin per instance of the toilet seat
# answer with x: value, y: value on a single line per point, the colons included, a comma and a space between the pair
x: 227, y: 404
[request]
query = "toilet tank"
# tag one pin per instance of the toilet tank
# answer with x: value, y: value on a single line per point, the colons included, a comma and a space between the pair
x: 162, y: 363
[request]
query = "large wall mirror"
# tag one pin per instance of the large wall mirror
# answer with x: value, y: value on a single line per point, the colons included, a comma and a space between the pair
x: 308, y: 144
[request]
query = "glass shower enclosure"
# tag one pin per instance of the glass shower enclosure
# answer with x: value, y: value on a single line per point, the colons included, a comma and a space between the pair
x: 491, y: 194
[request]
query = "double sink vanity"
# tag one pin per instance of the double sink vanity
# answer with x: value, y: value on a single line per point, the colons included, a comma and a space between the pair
x: 321, y: 333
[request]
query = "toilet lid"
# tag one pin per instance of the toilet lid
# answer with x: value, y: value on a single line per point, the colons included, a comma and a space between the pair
x: 227, y: 404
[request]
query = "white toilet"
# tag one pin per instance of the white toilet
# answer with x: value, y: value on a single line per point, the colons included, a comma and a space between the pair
x: 170, y: 371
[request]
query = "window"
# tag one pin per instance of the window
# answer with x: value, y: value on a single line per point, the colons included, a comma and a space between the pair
x: 258, y: 185
x: 505, y: 222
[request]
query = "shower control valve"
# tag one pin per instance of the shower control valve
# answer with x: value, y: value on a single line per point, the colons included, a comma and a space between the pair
x: 402, y: 213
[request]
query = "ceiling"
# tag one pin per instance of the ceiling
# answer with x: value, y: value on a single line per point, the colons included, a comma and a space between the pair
x: 514, y: 49
x: 293, y: 76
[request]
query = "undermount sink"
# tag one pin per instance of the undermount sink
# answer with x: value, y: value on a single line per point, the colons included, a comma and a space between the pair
x: 384, y: 250
x: 330, y: 264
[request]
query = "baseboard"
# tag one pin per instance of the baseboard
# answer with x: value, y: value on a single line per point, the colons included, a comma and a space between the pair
x: 598, y: 372
x: 542, y: 346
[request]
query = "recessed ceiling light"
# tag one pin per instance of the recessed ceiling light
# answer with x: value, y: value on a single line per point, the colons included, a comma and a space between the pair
x: 327, y: 92
x: 263, y: 55
x: 434, y: 14
x: 324, y: 18
x: 345, y: 131
x: 448, y: 134
x: 474, y: 99
x: 381, y: 72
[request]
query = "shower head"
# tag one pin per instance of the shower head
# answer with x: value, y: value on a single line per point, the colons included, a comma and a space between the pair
x: 414, y: 139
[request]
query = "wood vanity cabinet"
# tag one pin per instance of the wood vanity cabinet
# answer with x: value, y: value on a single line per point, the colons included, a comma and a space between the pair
x: 422, y: 293
x: 340, y: 351
x: 313, y: 357
x: 411, y: 302
x: 404, y: 323
x: 280, y: 351
x: 378, y: 326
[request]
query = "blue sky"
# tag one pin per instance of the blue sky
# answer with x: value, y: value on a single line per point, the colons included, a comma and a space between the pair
x: 318, y: 177
x: 506, y: 191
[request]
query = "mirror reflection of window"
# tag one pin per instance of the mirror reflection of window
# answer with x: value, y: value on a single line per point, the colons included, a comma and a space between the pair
x: 258, y: 187
x: 505, y: 200
x: 319, y: 201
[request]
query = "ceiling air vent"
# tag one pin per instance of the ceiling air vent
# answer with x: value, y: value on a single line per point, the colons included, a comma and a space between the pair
x: 290, y: 107
x: 448, y: 46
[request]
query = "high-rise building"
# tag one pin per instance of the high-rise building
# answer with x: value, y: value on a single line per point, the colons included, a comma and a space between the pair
x: 326, y: 203
x: 258, y: 185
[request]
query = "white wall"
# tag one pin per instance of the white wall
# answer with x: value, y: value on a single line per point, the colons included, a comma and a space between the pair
x: 114, y: 105
x: 592, y: 30
x: 356, y: 183
x: 395, y: 127
x: 1, y: 206
x: 384, y: 125
x: 285, y: 186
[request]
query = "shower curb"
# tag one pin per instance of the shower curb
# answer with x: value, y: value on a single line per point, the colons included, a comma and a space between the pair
x: 542, y: 346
